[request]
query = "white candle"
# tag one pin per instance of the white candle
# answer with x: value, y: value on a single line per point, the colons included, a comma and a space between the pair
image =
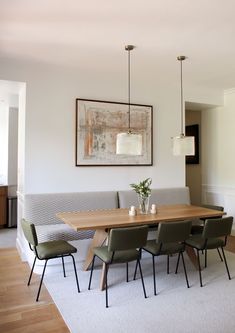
x: 153, y: 209
x: 132, y: 211
x: 132, y: 208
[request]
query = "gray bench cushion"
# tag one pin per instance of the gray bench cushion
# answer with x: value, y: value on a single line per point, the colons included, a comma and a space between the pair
x: 41, y: 210
x: 164, y: 196
x: 62, y: 231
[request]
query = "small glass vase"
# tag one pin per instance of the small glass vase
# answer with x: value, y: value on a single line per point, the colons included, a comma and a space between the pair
x: 143, y: 204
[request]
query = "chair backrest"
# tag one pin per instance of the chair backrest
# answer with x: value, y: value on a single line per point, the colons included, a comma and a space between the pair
x: 214, y: 207
x: 218, y: 227
x: 220, y: 208
x: 170, y: 232
x: 29, y: 232
x: 121, y: 239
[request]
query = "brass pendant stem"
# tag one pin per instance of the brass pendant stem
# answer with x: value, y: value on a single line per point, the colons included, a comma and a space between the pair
x: 129, y: 48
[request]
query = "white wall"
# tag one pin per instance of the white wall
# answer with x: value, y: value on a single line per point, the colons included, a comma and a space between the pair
x: 218, y: 154
x: 13, y: 147
x: 50, y: 127
x: 4, y: 130
x: 46, y: 155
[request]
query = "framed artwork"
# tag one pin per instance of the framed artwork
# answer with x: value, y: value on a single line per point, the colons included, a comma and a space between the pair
x: 97, y: 126
x: 193, y: 130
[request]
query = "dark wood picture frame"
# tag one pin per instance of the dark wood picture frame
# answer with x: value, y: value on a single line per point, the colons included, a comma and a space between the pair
x: 97, y: 124
x: 193, y: 130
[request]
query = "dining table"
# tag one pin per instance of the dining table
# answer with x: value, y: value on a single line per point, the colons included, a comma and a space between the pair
x: 103, y: 220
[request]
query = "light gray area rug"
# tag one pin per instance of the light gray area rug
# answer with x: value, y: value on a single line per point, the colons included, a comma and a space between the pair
x: 175, y: 309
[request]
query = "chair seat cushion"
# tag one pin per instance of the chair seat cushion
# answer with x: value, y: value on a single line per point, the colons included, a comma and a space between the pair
x: 168, y: 248
x: 53, y: 249
x: 119, y: 256
x: 199, y: 243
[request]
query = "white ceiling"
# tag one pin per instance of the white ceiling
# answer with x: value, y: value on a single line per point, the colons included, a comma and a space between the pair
x: 90, y: 35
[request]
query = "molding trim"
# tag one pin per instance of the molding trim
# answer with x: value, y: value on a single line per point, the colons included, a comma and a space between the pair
x: 20, y: 249
x: 225, y: 190
x: 229, y: 91
x: 222, y: 195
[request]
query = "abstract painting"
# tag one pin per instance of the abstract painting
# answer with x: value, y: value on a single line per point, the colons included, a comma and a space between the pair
x: 97, y: 125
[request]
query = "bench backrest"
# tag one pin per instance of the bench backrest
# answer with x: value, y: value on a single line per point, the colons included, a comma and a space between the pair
x: 163, y: 196
x: 42, y: 208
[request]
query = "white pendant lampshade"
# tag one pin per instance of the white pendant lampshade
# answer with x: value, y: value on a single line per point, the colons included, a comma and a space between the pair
x: 129, y: 143
x: 183, y: 145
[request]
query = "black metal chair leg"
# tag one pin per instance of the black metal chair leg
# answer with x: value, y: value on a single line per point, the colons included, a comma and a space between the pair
x: 142, y: 279
x: 154, y: 277
x: 135, y: 270
x: 226, y: 265
x: 40, y: 285
x: 75, y: 271
x: 127, y: 272
x: 219, y: 254
x: 92, y: 267
x: 106, y: 285
x: 199, y: 268
x: 168, y: 263
x: 31, y: 271
x: 185, y: 272
x: 205, y: 258
x: 177, y: 264
x: 63, y: 266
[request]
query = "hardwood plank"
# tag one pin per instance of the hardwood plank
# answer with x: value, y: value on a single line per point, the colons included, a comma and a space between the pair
x: 19, y: 312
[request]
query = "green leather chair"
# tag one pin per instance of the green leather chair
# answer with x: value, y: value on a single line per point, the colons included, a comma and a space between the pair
x: 214, y: 236
x: 46, y: 251
x: 198, y: 228
x: 170, y: 240
x: 124, y: 246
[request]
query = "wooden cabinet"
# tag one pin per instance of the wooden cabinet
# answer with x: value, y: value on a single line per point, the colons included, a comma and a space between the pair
x: 3, y: 205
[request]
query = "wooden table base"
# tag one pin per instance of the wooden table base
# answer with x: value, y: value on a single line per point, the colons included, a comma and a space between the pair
x: 99, y: 238
x: 192, y: 256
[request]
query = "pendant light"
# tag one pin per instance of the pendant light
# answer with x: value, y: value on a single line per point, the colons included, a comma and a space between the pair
x: 129, y: 143
x: 182, y: 145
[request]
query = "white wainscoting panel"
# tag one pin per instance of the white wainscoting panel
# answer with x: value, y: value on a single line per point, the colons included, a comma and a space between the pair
x: 222, y: 196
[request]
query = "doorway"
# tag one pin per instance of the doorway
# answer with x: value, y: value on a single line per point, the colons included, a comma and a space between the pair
x: 193, y: 170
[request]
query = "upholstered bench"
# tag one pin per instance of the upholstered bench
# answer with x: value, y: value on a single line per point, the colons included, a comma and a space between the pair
x: 41, y: 209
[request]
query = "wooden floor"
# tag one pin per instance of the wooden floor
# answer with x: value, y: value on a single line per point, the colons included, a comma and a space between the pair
x: 18, y: 310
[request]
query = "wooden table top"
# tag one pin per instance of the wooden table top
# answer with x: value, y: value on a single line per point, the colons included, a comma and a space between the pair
x: 115, y: 218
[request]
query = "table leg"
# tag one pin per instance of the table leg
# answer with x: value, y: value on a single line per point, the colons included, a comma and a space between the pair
x: 98, y: 239
x: 102, y: 278
x: 192, y: 256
